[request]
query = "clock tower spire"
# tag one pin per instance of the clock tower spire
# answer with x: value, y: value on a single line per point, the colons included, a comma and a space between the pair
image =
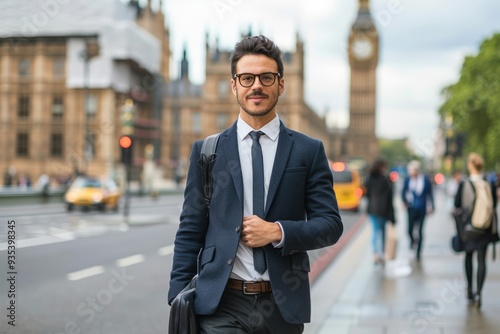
x: 363, y: 48
x: 364, y: 5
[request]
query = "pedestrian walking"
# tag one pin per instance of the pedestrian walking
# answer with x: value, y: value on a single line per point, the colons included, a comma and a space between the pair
x: 272, y: 201
x: 417, y: 196
x: 44, y: 185
x: 380, y: 209
x: 9, y: 177
x: 465, y: 199
x: 452, y: 188
x: 23, y: 182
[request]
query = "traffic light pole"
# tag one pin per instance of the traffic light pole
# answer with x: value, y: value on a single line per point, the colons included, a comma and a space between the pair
x: 126, y: 207
x: 126, y: 145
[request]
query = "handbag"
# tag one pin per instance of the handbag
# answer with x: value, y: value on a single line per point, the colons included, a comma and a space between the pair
x: 182, y: 317
x: 391, y: 242
x: 457, y: 244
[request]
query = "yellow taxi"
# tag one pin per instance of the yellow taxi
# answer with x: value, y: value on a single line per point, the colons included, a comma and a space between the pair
x: 91, y: 192
x: 347, y: 186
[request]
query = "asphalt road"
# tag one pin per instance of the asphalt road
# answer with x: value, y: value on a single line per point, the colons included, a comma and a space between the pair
x: 87, y: 272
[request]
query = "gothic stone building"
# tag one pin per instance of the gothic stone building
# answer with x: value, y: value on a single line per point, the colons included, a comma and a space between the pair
x: 62, y: 85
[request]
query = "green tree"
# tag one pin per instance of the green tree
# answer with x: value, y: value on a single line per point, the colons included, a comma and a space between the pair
x: 395, y: 151
x: 474, y: 101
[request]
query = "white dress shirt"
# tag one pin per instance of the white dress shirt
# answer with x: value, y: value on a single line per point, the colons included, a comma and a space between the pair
x: 243, y: 268
x: 416, y: 185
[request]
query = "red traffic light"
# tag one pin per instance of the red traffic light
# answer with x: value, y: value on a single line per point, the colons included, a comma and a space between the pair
x: 125, y: 142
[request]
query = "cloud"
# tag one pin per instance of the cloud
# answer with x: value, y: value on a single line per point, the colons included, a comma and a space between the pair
x: 439, y: 25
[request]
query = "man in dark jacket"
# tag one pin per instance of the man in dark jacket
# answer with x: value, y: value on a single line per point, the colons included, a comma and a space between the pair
x: 273, y: 201
x: 418, y: 198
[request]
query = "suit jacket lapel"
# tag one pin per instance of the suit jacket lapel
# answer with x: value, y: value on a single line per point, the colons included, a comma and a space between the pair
x: 285, y: 144
x: 229, y: 145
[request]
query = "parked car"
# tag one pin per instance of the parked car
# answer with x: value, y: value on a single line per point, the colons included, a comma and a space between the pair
x: 92, y: 193
x: 347, y: 186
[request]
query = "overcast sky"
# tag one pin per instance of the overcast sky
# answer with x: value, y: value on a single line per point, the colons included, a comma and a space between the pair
x: 423, y: 44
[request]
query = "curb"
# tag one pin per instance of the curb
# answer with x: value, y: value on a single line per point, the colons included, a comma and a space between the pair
x: 324, y: 260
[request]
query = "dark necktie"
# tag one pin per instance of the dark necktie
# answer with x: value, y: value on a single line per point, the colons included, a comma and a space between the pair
x: 259, y: 257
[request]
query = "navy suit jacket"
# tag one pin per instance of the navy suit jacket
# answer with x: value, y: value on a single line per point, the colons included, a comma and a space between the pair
x: 425, y: 199
x: 300, y: 197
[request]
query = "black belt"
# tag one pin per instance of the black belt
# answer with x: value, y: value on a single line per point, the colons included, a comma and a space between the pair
x: 249, y: 288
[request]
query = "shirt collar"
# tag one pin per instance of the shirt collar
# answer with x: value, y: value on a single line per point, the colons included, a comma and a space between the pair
x: 271, y: 129
x: 476, y: 177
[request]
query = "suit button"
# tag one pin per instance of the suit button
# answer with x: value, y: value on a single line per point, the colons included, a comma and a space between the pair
x: 237, y: 229
x: 230, y: 261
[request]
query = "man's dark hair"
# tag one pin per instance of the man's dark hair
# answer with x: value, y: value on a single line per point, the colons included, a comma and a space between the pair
x: 260, y: 45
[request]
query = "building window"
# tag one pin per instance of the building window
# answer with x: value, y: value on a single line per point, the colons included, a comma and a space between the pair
x: 58, y: 67
x: 176, y: 120
x: 90, y: 146
x: 24, y: 67
x: 221, y: 121
x: 22, y: 144
x: 223, y: 88
x: 57, y: 107
x: 91, y: 105
x: 343, y: 146
x: 56, y: 145
x: 196, y: 122
x: 23, y: 108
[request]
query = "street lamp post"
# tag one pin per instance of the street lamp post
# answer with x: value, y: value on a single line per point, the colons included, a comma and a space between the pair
x: 90, y: 51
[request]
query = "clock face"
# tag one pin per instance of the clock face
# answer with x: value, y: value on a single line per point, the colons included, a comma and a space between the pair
x: 362, y: 48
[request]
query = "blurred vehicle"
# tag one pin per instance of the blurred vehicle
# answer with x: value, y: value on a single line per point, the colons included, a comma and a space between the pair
x: 347, y: 186
x: 91, y: 192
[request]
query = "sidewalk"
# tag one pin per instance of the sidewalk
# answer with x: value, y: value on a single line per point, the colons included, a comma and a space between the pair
x: 353, y: 296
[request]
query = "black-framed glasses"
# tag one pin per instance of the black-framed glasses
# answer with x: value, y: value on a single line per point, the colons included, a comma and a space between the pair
x: 266, y: 79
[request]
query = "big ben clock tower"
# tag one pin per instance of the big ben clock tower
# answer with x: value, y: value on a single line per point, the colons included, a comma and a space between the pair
x: 363, y: 58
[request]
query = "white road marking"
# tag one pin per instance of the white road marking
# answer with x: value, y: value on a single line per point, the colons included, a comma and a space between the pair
x: 167, y: 250
x: 38, y: 241
x: 131, y: 260
x: 123, y: 227
x: 56, y: 235
x: 61, y: 233
x: 78, y: 275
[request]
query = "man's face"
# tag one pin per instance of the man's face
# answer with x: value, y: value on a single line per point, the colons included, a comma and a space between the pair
x: 257, y: 100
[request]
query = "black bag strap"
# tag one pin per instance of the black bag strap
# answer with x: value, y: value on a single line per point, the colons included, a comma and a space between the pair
x: 207, y: 159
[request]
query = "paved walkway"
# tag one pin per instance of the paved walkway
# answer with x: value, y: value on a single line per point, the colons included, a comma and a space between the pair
x: 353, y: 296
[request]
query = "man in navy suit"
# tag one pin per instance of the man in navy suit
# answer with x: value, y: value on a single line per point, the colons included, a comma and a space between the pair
x: 254, y: 264
x: 418, y: 198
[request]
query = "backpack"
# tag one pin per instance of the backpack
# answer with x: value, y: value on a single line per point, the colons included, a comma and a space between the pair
x: 207, y: 159
x: 473, y: 221
x: 482, y: 212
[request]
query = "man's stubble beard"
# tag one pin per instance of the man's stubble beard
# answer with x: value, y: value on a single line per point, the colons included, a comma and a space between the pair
x: 266, y: 111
